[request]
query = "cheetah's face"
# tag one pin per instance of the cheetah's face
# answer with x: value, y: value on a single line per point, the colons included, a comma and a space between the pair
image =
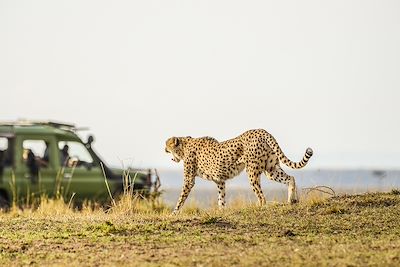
x: 172, y: 145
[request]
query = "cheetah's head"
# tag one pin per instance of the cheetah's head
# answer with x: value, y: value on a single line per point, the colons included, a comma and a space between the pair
x: 173, y: 146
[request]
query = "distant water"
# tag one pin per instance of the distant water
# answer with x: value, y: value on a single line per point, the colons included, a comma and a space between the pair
x: 204, y: 192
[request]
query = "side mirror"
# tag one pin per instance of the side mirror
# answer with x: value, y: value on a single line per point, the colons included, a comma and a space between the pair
x: 90, y: 140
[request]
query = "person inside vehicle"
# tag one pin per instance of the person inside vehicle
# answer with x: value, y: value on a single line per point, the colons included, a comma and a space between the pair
x: 64, y: 155
x: 44, y: 161
x: 32, y: 165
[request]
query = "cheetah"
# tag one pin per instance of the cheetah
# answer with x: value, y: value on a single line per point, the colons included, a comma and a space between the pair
x: 257, y: 151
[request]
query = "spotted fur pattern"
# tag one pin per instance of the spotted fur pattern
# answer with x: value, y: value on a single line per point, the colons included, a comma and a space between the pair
x: 256, y: 151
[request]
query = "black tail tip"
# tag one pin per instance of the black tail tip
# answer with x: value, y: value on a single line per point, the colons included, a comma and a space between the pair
x: 309, y: 152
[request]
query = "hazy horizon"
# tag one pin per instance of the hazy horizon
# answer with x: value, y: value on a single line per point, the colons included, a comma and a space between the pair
x: 313, y: 73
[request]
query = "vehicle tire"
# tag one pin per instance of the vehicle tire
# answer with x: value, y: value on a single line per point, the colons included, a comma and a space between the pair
x: 4, y: 203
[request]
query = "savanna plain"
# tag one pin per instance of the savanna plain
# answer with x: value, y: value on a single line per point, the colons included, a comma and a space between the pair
x: 347, y: 230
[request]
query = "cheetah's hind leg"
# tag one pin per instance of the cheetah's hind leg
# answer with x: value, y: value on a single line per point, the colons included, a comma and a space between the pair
x: 254, y: 177
x: 221, y: 194
x: 279, y: 175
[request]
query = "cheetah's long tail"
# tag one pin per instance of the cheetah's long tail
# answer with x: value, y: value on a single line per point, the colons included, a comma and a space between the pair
x: 282, y: 157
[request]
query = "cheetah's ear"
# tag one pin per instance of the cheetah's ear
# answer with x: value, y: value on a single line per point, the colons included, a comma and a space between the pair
x: 176, y: 141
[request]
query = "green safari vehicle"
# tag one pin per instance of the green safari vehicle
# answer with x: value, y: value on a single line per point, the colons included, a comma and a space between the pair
x: 43, y: 158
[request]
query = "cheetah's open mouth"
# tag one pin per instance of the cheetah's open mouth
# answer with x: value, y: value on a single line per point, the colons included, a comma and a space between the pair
x: 175, y: 159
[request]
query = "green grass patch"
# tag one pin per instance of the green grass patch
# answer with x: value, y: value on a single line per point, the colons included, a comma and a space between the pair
x: 353, y: 230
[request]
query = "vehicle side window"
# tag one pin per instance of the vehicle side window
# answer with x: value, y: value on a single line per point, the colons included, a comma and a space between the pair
x: 3, y: 144
x: 36, y: 152
x: 74, y: 154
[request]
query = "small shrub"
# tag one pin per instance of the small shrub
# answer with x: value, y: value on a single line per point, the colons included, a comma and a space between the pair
x: 334, y: 209
x: 211, y: 220
x: 396, y: 191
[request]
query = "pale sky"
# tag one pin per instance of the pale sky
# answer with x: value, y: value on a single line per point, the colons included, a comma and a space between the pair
x: 324, y: 74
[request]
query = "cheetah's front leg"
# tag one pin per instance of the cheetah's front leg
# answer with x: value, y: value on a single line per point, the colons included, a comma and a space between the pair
x: 189, y: 172
x: 188, y: 184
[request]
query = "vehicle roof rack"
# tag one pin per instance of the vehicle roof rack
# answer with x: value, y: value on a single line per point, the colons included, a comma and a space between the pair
x: 23, y: 122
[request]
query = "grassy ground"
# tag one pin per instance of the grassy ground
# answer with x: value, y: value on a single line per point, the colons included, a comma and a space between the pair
x: 361, y: 230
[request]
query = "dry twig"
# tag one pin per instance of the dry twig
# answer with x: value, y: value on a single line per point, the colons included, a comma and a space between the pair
x: 320, y: 188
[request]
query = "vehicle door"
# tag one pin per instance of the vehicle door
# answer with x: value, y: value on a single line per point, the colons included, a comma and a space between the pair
x: 6, y: 167
x: 36, y: 166
x: 82, y: 176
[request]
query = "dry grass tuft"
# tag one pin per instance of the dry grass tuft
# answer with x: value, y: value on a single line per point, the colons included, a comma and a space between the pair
x: 52, y: 207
